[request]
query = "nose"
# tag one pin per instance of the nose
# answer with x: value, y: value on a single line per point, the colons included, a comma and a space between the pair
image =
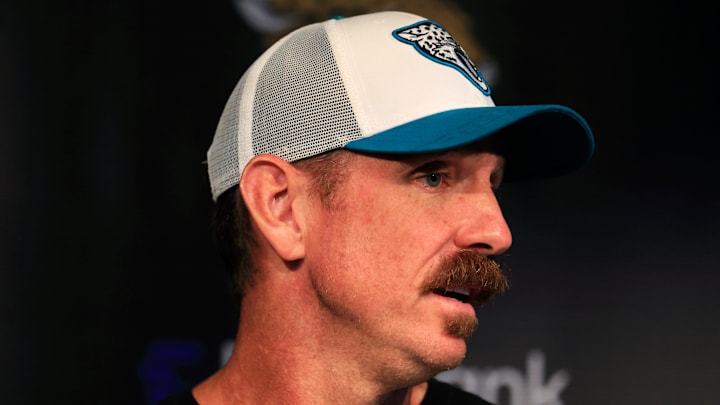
x: 482, y: 224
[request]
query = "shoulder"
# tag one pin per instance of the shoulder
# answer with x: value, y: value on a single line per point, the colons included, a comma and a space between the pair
x: 443, y: 393
x: 179, y: 398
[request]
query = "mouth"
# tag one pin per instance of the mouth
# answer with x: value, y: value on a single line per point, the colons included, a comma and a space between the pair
x: 461, y: 294
x: 476, y: 297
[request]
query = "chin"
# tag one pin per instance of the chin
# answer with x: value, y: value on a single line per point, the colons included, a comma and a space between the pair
x: 450, y: 348
x: 450, y: 355
x: 426, y: 362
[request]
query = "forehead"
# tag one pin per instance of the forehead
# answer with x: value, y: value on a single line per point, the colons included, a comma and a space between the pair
x: 470, y: 154
x: 491, y: 144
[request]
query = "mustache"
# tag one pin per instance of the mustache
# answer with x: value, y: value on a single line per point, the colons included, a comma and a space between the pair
x: 484, y: 275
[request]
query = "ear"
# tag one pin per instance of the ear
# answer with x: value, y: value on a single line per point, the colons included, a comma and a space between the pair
x: 271, y: 189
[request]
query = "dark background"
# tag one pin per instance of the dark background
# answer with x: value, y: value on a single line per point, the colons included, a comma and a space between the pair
x: 108, y: 271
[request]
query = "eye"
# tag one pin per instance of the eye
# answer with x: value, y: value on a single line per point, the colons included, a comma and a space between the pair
x: 433, y: 179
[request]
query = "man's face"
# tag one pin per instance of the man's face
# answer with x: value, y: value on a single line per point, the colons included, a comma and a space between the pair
x: 374, y: 252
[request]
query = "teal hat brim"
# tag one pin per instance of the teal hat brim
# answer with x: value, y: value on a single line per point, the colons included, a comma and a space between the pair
x: 537, y: 141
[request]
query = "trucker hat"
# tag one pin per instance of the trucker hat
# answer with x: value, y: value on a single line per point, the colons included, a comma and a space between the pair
x: 385, y: 82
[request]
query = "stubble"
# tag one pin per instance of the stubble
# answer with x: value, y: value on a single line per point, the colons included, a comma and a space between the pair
x: 483, y: 275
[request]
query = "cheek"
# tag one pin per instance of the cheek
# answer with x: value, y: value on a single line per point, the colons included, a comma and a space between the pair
x: 380, y: 236
x: 358, y: 242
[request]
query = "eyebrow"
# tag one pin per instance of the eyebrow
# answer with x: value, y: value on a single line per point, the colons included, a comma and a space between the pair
x: 437, y: 161
x: 443, y: 157
x: 431, y: 165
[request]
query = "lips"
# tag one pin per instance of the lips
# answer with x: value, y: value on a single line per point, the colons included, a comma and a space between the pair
x: 476, y: 297
x: 461, y: 294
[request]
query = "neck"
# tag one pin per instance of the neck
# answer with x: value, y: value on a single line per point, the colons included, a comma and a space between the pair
x: 281, y: 356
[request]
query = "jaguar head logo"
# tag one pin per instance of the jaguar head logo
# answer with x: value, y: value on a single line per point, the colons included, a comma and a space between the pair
x: 436, y: 43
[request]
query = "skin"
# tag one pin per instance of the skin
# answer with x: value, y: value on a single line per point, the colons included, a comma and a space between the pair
x: 339, y: 312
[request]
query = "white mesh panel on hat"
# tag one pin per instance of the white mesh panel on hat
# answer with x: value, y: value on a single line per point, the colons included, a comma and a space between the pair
x: 301, y: 106
x: 297, y: 105
x: 223, y: 165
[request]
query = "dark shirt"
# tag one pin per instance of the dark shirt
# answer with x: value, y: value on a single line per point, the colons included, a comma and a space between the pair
x: 438, y: 393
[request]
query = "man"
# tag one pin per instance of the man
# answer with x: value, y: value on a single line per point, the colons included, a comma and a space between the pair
x: 355, y: 168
